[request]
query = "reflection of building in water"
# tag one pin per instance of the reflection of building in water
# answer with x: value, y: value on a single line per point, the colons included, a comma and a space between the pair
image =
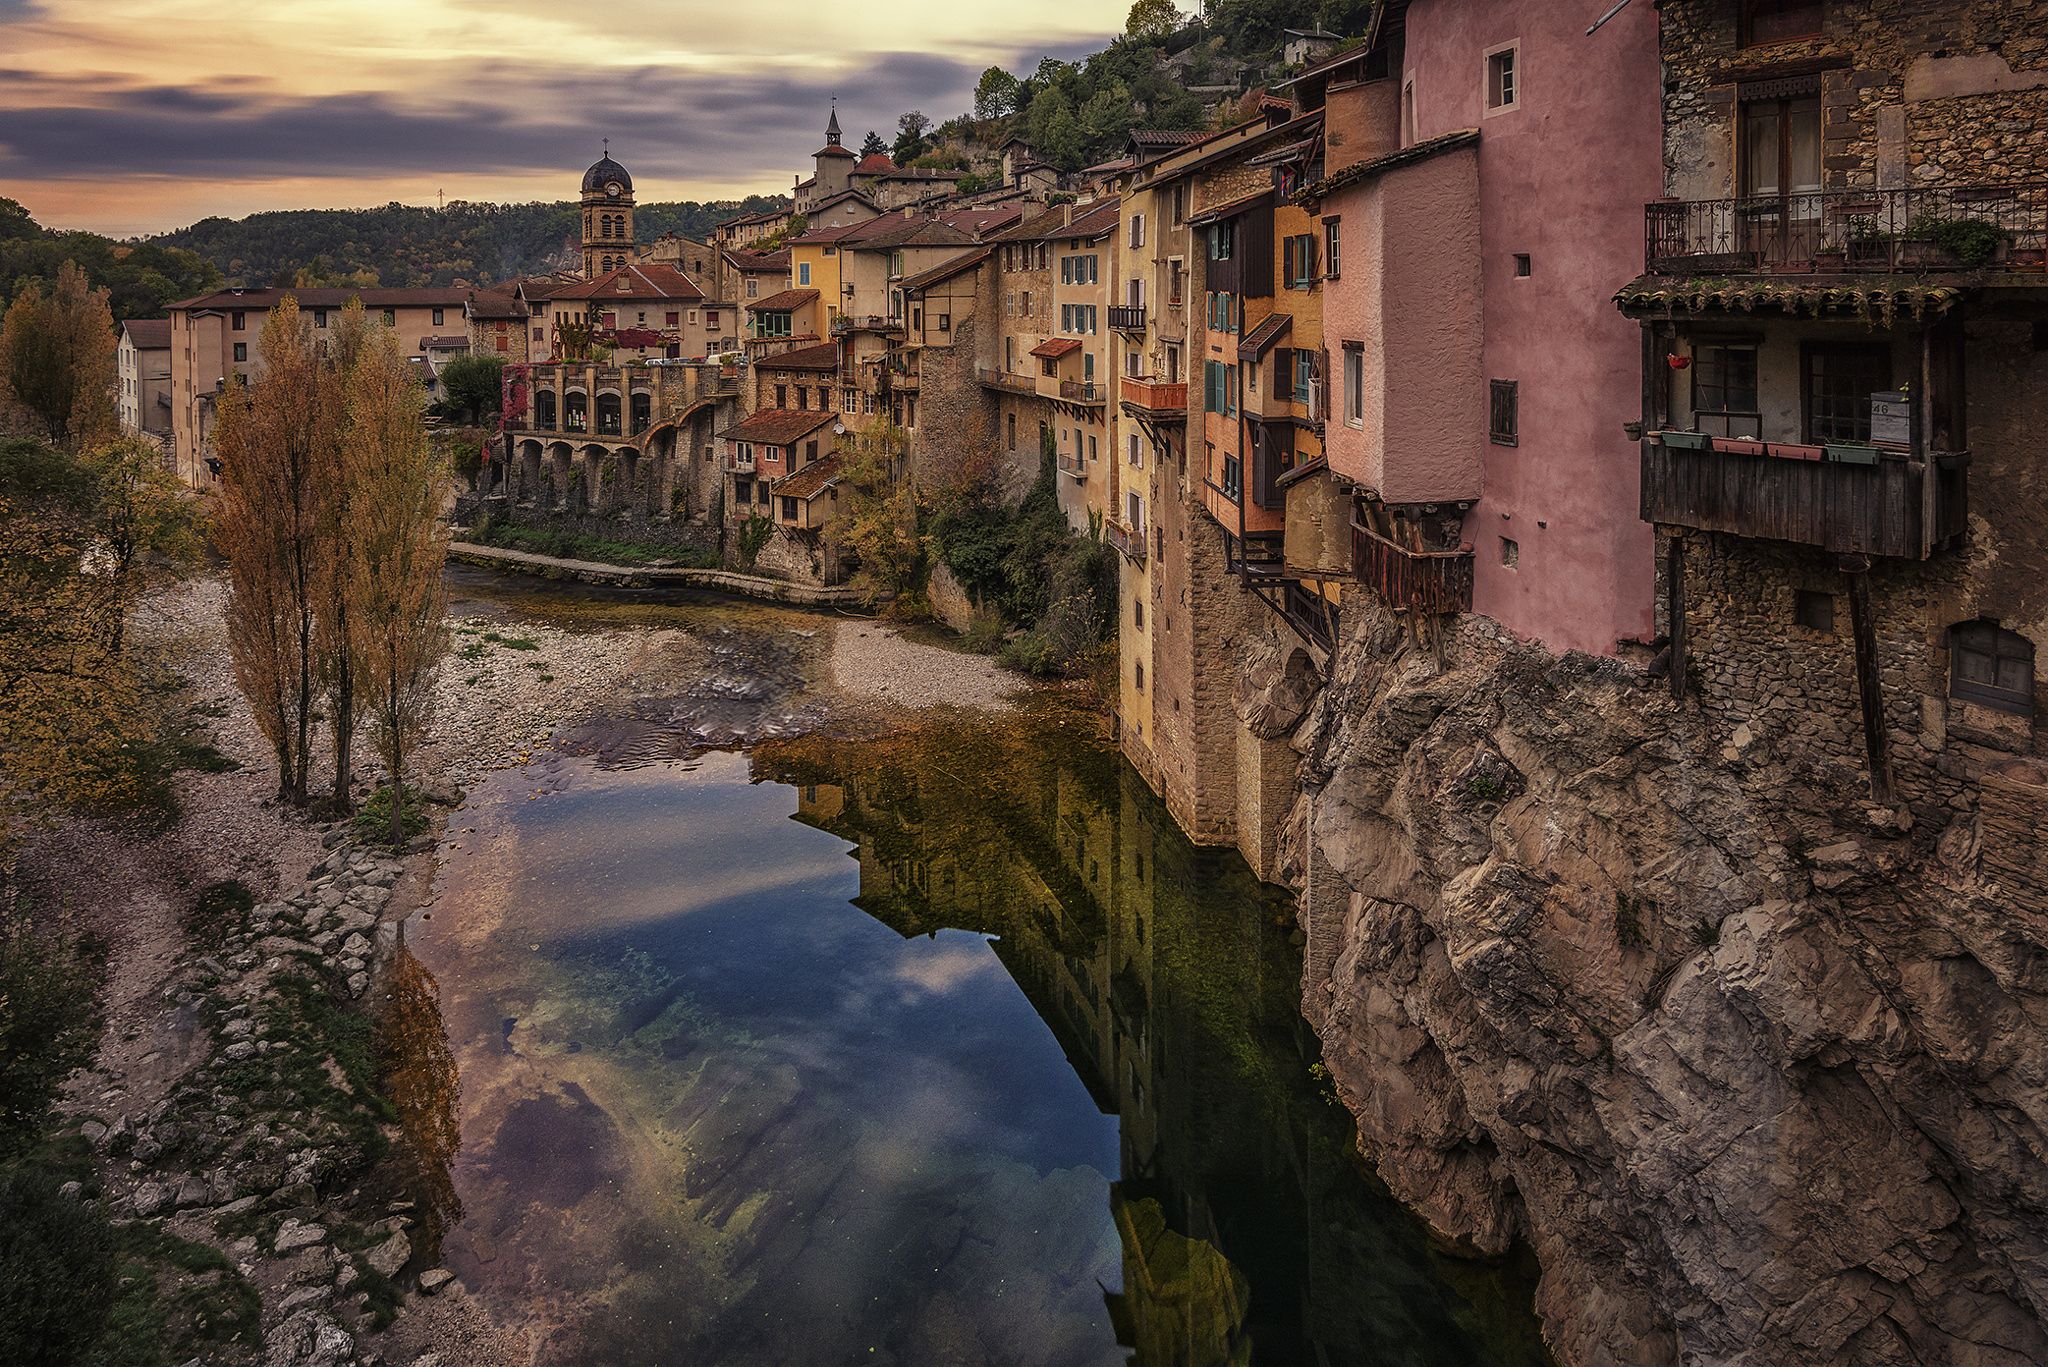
x: 1165, y: 976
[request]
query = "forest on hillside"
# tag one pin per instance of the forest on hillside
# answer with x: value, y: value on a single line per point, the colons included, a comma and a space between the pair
x: 1166, y: 70
x: 400, y: 245
x: 140, y: 278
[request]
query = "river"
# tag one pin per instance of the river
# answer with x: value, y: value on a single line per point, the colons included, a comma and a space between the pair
x: 932, y: 1043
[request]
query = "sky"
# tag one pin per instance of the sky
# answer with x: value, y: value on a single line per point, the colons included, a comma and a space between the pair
x: 136, y: 116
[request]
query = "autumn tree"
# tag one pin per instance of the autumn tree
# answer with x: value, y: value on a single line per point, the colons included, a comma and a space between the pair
x: 398, y: 546
x: 146, y: 523
x: 57, y: 358
x: 270, y: 434
x: 879, y: 520
x: 334, y: 659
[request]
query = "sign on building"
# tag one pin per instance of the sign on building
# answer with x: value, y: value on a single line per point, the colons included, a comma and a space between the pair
x: 1891, y: 419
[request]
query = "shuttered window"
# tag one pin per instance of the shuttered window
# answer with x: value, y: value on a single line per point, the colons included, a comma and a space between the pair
x: 1503, y: 424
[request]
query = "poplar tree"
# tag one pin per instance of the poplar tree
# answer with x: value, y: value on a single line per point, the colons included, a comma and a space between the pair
x: 271, y: 433
x: 398, y: 546
x: 57, y: 359
x: 334, y: 643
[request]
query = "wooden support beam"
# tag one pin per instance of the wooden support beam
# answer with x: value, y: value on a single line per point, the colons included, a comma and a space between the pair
x: 1674, y: 606
x: 1869, y: 687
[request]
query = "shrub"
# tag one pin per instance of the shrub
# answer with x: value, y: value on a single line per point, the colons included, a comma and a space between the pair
x: 56, y: 1272
x: 373, y: 822
x: 49, y: 1023
x: 754, y: 535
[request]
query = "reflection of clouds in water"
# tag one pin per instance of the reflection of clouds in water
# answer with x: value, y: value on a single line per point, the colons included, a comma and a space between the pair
x: 948, y: 965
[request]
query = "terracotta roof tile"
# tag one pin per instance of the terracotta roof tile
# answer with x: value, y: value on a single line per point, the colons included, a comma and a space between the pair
x: 823, y: 356
x: 809, y: 482
x: 148, y: 334
x: 786, y: 299
x: 636, y: 282
x: 778, y: 426
x: 1055, y: 347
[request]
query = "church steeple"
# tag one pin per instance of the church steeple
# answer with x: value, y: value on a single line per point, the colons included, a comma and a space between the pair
x: 832, y: 127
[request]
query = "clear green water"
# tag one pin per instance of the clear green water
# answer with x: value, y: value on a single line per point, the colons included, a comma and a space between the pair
x: 942, y: 1048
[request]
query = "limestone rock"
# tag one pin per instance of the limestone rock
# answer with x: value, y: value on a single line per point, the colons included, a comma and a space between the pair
x: 295, y: 1234
x: 391, y: 1255
x: 434, y: 1279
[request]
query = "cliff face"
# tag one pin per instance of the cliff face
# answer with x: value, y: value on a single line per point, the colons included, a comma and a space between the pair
x: 1761, y: 1074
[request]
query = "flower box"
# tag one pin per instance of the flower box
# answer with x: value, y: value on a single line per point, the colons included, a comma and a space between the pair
x: 1850, y: 453
x: 1685, y: 441
x: 1792, y: 450
x: 1740, y: 446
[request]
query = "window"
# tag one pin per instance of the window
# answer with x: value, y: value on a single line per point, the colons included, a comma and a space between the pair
x: 1219, y: 388
x: 1724, y: 401
x: 1522, y: 266
x: 1503, y: 78
x: 811, y: 447
x: 1510, y: 553
x: 241, y: 351
x: 1298, y: 261
x: 1138, y: 612
x: 1233, y: 477
x: 788, y: 508
x: 1780, y: 154
x: 537, y: 336
x: 753, y: 287
x: 1354, y: 385
x: 1140, y: 676
x: 673, y: 317
x: 1304, y: 374
x: 1333, y: 241
x: 782, y: 396
x: 1137, y: 455
x: 437, y: 318
x: 1503, y: 424
x: 945, y: 322
x: 1776, y: 21
x: 319, y: 318
x: 241, y: 321
x: 1092, y: 455
x: 1840, y: 378
x: 1134, y: 518
x: 1991, y: 666
x: 1011, y: 421
x: 803, y: 273
x: 1814, y: 610
x: 1180, y: 202
x: 711, y: 323
x: 390, y: 318
x: 1137, y: 238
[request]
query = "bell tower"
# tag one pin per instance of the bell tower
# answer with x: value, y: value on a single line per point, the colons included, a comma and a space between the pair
x: 607, y: 215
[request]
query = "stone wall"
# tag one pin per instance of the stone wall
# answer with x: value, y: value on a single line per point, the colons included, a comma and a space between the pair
x: 956, y: 417
x: 1759, y: 1080
x: 1914, y: 92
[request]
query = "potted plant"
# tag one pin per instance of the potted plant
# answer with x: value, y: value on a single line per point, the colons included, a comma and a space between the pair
x: 1868, y: 246
x: 1831, y: 260
x: 1793, y: 450
x: 1851, y: 453
x: 1685, y: 441
x: 1741, y: 446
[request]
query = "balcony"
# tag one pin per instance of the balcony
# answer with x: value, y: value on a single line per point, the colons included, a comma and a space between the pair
x: 1129, y: 541
x: 739, y: 465
x: 1127, y: 317
x: 1072, y: 465
x: 870, y: 322
x: 1084, y: 391
x: 1831, y: 232
x: 1155, y: 398
x: 1848, y: 500
x: 1412, y: 580
x: 1006, y: 380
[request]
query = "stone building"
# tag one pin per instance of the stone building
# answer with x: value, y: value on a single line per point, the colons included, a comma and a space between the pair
x: 607, y: 201
x: 643, y: 312
x: 1843, y: 306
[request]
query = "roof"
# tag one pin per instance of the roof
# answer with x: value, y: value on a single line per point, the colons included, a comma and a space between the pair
x: 1260, y: 339
x: 946, y: 270
x: 148, y: 334
x: 833, y: 149
x: 1309, y: 33
x: 602, y: 172
x: 874, y: 165
x: 422, y: 371
x: 823, y: 356
x: 636, y: 282
x: 762, y: 217
x: 1144, y: 138
x: 1099, y: 219
x: 786, y: 299
x: 1890, y: 295
x: 744, y: 260
x: 438, y: 296
x: 920, y: 232
x: 925, y: 173
x: 809, y: 482
x: 445, y: 341
x: 1378, y: 166
x: 779, y: 426
x: 1231, y: 208
x: 496, y: 304
x: 1055, y: 347
x: 1231, y: 141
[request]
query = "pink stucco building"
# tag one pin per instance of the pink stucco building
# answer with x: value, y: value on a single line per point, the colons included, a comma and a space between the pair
x: 1479, y: 384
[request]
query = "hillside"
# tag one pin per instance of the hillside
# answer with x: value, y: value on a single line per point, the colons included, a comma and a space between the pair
x: 140, y: 278
x: 400, y: 245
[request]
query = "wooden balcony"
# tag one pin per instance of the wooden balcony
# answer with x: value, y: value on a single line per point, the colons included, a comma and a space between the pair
x: 1876, y: 502
x: 1921, y: 230
x: 1155, y: 398
x: 1127, y: 317
x: 1009, y: 381
x: 1410, y: 580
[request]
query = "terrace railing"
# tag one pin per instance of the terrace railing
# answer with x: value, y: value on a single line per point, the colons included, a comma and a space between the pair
x: 1824, y: 232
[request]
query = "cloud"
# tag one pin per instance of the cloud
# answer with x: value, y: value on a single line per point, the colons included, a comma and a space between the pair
x: 665, y: 124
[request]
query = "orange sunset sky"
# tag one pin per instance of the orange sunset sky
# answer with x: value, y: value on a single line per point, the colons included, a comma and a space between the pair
x: 136, y: 116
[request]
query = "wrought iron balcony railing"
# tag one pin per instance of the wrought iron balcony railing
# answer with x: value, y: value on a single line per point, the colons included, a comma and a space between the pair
x: 1826, y: 232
